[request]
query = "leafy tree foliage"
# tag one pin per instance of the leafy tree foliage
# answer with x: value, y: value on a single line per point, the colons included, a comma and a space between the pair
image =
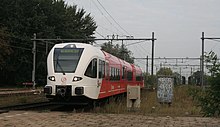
x: 20, y: 19
x: 195, y: 78
x: 119, y: 51
x: 152, y: 80
x: 177, y: 78
x: 4, y: 46
x: 149, y: 80
x: 210, y: 101
x: 164, y: 71
x: 209, y: 98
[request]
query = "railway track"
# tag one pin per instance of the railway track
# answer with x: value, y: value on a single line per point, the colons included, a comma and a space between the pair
x: 15, y: 92
x: 48, y: 106
x: 26, y: 106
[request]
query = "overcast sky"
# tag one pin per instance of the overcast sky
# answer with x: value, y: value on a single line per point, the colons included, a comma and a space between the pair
x: 178, y: 24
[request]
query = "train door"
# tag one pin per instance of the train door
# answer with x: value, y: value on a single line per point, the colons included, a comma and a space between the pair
x: 102, y: 80
x: 106, y: 88
x: 107, y: 78
x: 124, y: 77
x: 101, y: 71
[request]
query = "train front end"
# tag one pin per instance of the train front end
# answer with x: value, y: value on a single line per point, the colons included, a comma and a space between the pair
x: 69, y: 68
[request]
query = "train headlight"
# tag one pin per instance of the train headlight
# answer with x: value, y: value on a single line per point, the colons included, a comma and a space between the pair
x: 75, y: 78
x: 52, y: 78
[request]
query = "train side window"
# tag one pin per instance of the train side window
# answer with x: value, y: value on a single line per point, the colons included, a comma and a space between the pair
x: 138, y: 77
x: 113, y: 69
x: 91, y: 70
x: 107, y: 70
x: 118, y: 74
x: 101, y: 69
x: 114, y: 73
x: 123, y: 72
x: 111, y: 74
x: 129, y: 76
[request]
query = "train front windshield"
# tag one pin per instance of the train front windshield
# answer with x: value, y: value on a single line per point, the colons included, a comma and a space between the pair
x: 66, y: 59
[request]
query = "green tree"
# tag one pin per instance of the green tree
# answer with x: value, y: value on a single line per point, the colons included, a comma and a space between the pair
x: 118, y: 51
x: 46, y: 18
x: 150, y: 81
x: 164, y: 71
x: 177, y: 78
x: 209, y: 98
x: 5, y: 49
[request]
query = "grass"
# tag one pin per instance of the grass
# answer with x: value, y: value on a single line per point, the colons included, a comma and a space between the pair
x: 182, y: 105
x: 21, y: 99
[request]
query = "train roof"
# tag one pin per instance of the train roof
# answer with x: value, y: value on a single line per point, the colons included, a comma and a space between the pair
x: 117, y: 60
x: 111, y: 58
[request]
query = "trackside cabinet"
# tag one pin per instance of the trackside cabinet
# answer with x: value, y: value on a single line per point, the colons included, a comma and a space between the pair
x: 165, y: 89
x: 133, y: 97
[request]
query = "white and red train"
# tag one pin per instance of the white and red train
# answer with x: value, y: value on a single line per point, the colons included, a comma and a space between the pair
x: 79, y: 72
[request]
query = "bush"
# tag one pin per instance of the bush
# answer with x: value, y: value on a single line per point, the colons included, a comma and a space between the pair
x: 209, y: 98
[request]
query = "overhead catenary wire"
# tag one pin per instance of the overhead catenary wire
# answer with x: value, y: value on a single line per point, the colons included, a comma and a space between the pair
x: 100, y: 26
x: 144, y: 50
x: 16, y: 47
x: 215, y: 40
x: 102, y: 13
x: 106, y: 19
x: 112, y: 18
x: 100, y: 34
x: 22, y: 48
x: 135, y: 43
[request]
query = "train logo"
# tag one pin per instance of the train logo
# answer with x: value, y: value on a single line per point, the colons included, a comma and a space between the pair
x: 63, y: 79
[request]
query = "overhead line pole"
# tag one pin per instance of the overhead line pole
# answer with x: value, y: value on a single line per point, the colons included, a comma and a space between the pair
x: 202, y: 61
x: 152, y: 61
x: 34, y: 61
x: 147, y: 65
x: 146, y: 62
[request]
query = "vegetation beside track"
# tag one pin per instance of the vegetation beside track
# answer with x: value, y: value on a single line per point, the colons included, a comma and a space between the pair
x: 182, y: 105
x: 13, y: 99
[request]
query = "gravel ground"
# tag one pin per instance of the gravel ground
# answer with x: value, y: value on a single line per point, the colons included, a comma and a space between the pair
x: 71, y: 119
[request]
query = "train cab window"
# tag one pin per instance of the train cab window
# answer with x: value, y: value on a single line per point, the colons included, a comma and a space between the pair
x: 66, y: 59
x: 91, y: 70
x: 101, y: 69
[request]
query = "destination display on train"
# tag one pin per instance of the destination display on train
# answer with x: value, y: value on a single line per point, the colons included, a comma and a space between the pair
x: 75, y: 51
